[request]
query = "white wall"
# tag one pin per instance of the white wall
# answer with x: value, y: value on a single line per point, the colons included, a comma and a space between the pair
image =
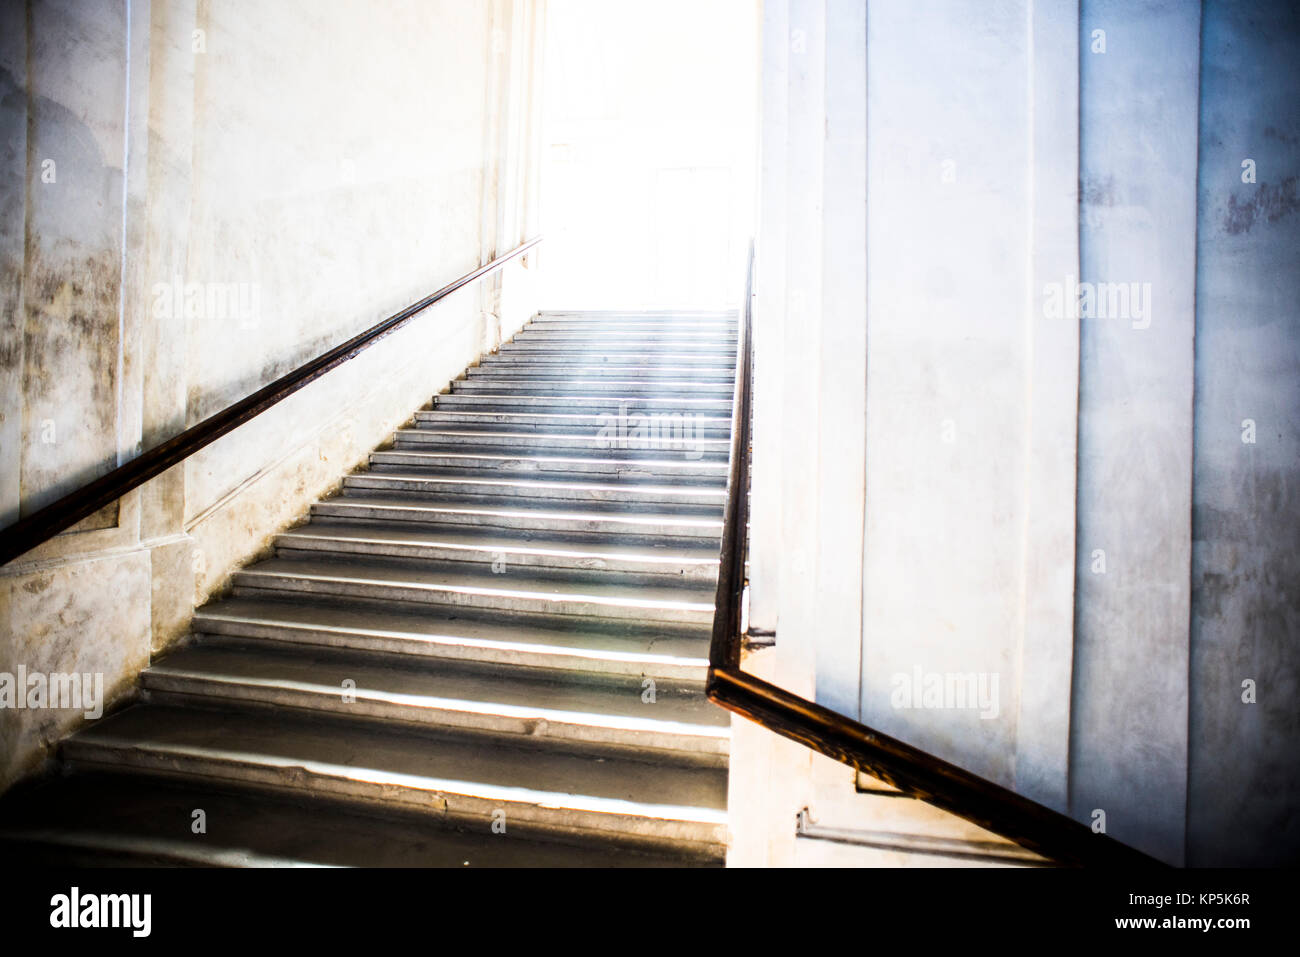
x: 339, y: 161
x: 940, y: 460
x: 1138, y: 106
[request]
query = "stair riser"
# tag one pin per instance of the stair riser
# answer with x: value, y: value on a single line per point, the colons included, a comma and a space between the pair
x: 709, y: 750
x: 575, y: 529
x: 583, y: 567
x: 497, y: 599
x: 215, y: 629
x: 439, y: 801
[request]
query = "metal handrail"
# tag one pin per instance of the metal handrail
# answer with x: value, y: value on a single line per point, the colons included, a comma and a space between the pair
x: 44, y: 524
x: 912, y: 771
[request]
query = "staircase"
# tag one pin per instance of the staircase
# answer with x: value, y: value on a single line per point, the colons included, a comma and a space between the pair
x: 488, y: 648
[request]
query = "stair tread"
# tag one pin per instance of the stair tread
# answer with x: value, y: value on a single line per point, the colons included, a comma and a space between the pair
x: 612, y: 403
x: 520, y: 589
x: 554, y: 357
x: 648, y: 467
x: 525, y: 384
x: 485, y: 769
x: 630, y: 469
x: 436, y: 575
x: 554, y: 419
x: 522, y: 694
x: 509, y: 551
x: 668, y: 438
x: 494, y: 540
x: 668, y: 313
x: 525, y: 459
x: 631, y: 372
x: 533, y: 437
x: 615, y: 331
x: 510, y: 484
x: 573, y: 322
x: 650, y: 522
x: 609, y: 643
x: 137, y: 819
x: 655, y: 338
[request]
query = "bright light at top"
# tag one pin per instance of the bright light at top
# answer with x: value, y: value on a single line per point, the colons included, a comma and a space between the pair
x: 649, y: 152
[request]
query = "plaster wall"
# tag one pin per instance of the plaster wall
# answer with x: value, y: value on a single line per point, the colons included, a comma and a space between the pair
x: 957, y: 479
x: 239, y: 186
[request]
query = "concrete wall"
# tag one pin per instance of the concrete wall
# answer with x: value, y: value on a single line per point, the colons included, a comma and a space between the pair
x: 1137, y: 223
x: 1243, y: 784
x: 237, y: 187
x: 957, y: 478
x: 947, y: 251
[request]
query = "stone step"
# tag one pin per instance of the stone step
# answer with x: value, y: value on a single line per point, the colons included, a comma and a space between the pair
x: 464, y: 777
x: 612, y: 404
x: 657, y: 337
x: 607, y: 490
x: 722, y: 333
x: 661, y: 438
x: 530, y: 592
x: 575, y: 524
x: 599, y: 315
x: 664, y: 389
x: 599, y: 648
x: 584, y: 371
x: 558, y: 706
x: 671, y: 329
x: 506, y: 553
x: 558, y: 423
x: 134, y: 820
x: 624, y: 470
x: 553, y: 320
x: 580, y: 348
x: 549, y: 358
